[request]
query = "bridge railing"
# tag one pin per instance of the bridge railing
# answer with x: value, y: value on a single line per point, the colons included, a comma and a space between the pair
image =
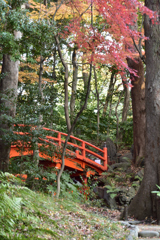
x: 83, y: 150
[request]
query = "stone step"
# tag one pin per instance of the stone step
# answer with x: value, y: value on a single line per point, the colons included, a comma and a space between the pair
x: 148, y: 233
x: 148, y: 238
x: 144, y: 232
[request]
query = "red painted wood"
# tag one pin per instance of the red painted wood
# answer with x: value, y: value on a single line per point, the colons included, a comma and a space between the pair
x: 78, y: 159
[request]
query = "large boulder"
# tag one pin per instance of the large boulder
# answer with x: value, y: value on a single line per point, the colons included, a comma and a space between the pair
x: 111, y: 148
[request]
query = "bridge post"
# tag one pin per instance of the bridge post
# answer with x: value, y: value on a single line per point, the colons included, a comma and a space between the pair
x: 105, y: 158
x: 83, y: 150
x: 59, y: 138
x: 77, y: 153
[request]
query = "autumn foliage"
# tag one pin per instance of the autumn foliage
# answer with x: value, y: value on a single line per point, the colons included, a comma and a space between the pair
x: 101, y: 29
x: 106, y: 29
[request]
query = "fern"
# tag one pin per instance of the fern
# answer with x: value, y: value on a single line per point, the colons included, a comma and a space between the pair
x: 21, y: 209
x: 10, y: 209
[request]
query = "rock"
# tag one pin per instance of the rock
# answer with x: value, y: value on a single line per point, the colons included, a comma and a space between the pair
x: 134, y: 222
x: 133, y: 233
x: 111, y: 148
x: 102, y: 193
x: 123, y: 166
x: 110, y: 201
x: 148, y: 234
x: 126, y: 195
x: 119, y: 155
x: 125, y: 223
x: 140, y: 175
x: 126, y: 157
x: 99, y: 191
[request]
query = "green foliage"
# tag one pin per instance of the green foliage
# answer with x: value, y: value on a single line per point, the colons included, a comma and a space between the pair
x: 11, y: 20
x: 30, y: 107
x: 157, y: 192
x: 88, y: 131
x: 19, y: 211
x: 69, y: 188
x: 126, y: 128
x: 112, y: 190
x: 44, y: 180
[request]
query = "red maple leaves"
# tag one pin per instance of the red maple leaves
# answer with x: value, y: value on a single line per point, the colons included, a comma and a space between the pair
x: 102, y: 29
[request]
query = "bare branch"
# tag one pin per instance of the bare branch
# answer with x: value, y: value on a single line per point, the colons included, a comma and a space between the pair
x: 57, y: 8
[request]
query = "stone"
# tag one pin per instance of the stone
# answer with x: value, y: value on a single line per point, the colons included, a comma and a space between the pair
x: 123, y: 166
x: 125, y: 223
x: 126, y: 157
x: 126, y: 195
x: 110, y: 201
x: 135, y: 222
x: 111, y: 148
x: 148, y: 234
x: 102, y: 193
x: 148, y: 238
x: 140, y: 175
x: 133, y: 233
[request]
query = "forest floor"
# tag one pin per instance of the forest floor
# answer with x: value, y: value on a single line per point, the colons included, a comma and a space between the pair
x: 43, y: 217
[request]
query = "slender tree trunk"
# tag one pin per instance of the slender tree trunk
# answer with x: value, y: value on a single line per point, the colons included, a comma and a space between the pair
x: 8, y: 95
x: 66, y: 108
x: 74, y: 85
x: 126, y: 103
x: 98, y: 105
x: 145, y: 202
x: 85, y: 75
x: 35, y: 143
x: 116, y: 113
x: 125, y: 108
x: 75, y: 120
x: 109, y: 93
x: 70, y: 131
x: 54, y: 64
x: 138, y: 107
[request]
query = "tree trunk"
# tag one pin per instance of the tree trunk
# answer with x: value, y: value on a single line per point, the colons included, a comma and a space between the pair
x: 138, y: 107
x: 126, y: 103
x: 144, y: 204
x: 35, y: 142
x: 8, y: 94
x: 70, y: 131
x: 117, y: 127
x: 125, y: 109
x: 74, y: 85
x: 66, y: 108
x: 85, y: 75
x: 98, y: 105
x: 109, y: 93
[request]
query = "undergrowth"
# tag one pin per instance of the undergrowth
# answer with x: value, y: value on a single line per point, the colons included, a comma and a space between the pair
x: 26, y: 214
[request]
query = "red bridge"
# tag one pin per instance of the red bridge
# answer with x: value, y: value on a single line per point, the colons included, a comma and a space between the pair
x: 81, y: 156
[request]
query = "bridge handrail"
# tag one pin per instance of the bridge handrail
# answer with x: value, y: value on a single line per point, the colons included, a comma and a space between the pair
x: 81, y: 148
x: 77, y: 146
